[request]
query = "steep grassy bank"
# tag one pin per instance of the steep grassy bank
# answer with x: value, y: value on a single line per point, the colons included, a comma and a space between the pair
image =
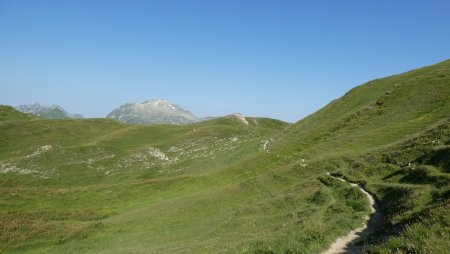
x: 392, y: 135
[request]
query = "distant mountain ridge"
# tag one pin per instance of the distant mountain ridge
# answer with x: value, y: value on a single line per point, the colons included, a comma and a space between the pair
x: 49, y: 112
x: 154, y: 111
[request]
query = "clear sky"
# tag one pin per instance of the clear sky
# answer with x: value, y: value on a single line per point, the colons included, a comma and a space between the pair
x: 279, y: 59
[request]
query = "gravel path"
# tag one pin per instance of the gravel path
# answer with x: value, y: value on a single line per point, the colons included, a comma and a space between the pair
x: 346, y: 244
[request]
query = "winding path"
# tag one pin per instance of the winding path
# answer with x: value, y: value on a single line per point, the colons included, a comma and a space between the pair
x: 346, y: 244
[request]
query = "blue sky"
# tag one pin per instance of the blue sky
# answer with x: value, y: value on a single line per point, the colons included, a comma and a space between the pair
x: 279, y: 59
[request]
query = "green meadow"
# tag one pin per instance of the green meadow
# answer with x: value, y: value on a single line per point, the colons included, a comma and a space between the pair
x: 226, y: 186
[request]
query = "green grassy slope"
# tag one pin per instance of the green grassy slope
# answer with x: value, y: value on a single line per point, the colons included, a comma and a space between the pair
x: 392, y: 135
x: 374, y: 114
x: 8, y: 113
x: 98, y: 186
x: 61, y: 179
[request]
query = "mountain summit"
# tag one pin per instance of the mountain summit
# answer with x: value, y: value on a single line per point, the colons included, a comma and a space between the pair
x: 155, y: 111
x: 50, y: 112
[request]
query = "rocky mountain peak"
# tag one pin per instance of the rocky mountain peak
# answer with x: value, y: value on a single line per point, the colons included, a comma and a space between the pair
x: 153, y: 111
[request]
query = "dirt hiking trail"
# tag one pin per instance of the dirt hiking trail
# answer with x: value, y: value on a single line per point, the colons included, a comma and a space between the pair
x: 346, y: 244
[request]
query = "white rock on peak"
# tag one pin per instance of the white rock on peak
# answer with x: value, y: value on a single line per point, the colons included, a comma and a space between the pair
x: 239, y: 117
x: 155, y: 111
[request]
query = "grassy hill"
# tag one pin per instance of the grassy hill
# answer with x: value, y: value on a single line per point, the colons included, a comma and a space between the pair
x: 8, y: 113
x: 392, y: 135
x: 223, y: 186
x: 63, y: 178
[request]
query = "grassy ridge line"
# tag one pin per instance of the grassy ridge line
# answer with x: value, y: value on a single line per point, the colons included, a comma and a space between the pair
x: 367, y: 116
x: 81, y: 138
